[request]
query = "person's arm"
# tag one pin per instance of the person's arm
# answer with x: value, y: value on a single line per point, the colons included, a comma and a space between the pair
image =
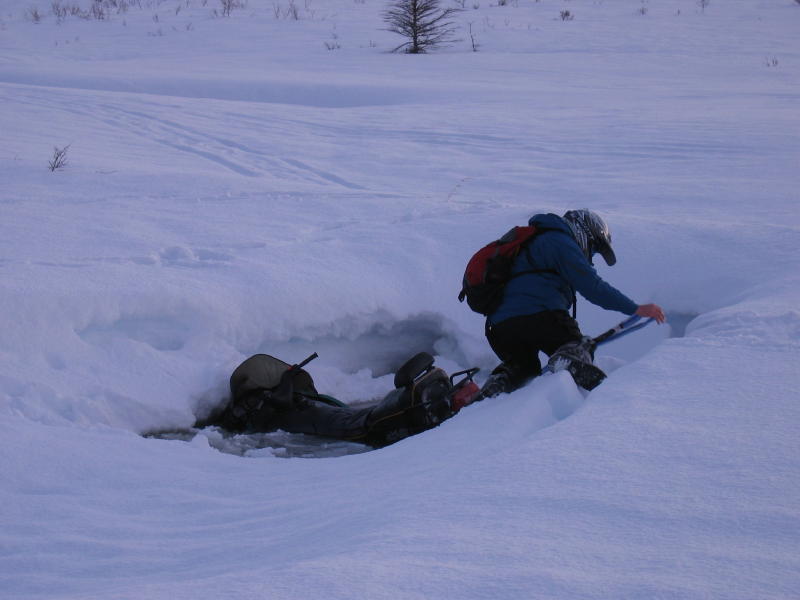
x: 592, y: 287
x: 582, y: 276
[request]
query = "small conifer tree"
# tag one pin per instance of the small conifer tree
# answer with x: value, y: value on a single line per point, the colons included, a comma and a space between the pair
x: 424, y: 24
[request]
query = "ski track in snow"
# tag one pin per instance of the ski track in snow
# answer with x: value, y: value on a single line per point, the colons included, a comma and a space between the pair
x: 239, y: 158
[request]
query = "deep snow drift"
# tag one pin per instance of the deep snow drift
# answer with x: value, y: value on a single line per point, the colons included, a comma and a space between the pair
x: 259, y: 183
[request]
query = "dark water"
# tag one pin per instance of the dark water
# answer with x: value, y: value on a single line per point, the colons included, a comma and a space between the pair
x: 276, y: 443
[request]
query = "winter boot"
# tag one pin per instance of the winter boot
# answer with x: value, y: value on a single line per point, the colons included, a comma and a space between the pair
x: 498, y: 383
x: 576, y: 357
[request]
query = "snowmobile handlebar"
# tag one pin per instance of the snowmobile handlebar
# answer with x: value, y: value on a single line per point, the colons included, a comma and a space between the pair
x: 302, y: 364
x: 470, y: 373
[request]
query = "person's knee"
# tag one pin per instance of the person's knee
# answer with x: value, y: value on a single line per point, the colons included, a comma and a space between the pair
x: 519, y: 372
x: 581, y: 350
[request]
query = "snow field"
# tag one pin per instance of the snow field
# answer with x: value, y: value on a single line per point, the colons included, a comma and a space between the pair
x: 234, y: 187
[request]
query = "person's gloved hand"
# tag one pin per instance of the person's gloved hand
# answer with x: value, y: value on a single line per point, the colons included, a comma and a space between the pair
x: 651, y: 311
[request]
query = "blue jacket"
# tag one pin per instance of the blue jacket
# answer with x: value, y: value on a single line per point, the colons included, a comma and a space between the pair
x: 555, y: 250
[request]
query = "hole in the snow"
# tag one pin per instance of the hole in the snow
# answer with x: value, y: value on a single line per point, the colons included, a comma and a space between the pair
x: 638, y: 343
x: 381, y: 347
x: 629, y: 348
x: 280, y: 444
x: 354, y: 354
x: 678, y: 322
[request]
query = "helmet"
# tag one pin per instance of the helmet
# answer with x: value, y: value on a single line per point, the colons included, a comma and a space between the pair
x: 591, y: 233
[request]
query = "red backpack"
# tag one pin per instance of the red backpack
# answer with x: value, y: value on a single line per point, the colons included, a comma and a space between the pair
x: 489, y: 270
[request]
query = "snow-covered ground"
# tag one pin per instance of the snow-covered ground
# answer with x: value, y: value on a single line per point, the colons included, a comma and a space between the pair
x: 259, y: 183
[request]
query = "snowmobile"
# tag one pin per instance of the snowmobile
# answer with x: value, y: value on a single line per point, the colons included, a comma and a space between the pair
x: 268, y: 394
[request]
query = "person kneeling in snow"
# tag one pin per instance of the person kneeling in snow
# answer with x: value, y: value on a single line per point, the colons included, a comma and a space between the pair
x: 533, y: 314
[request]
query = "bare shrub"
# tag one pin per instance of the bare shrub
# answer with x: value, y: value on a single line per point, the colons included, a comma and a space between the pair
x: 98, y: 11
x: 60, y: 12
x: 333, y: 43
x: 290, y: 12
x: 472, y: 39
x: 59, y: 160
x: 33, y: 15
x: 566, y: 15
x: 228, y: 6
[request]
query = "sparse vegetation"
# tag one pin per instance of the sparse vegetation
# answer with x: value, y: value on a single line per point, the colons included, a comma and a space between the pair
x: 291, y: 11
x: 59, y: 159
x: 333, y: 43
x: 59, y: 11
x: 566, y: 15
x: 103, y: 10
x: 99, y: 10
x: 228, y: 6
x: 472, y: 39
x: 34, y: 15
x: 424, y: 24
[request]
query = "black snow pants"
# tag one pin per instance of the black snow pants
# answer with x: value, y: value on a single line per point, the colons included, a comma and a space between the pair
x: 517, y: 342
